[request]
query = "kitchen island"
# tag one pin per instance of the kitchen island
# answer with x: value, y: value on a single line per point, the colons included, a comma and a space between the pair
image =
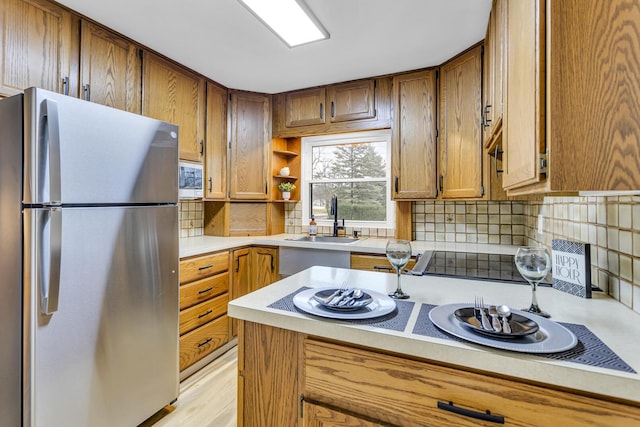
x: 295, y: 368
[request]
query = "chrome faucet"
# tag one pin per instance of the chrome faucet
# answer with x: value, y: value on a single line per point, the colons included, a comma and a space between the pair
x: 334, y: 212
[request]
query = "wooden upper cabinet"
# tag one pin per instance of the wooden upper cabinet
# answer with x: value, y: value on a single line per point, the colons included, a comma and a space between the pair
x: 305, y: 107
x: 110, y: 69
x: 175, y: 95
x: 593, y: 94
x: 525, y: 88
x: 571, y: 118
x: 493, y: 74
x: 250, y: 146
x: 337, y: 108
x: 461, y: 150
x: 38, y: 41
x: 413, y: 156
x: 352, y: 101
x: 215, y: 164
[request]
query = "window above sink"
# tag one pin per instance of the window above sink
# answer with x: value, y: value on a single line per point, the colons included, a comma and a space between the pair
x: 356, y: 167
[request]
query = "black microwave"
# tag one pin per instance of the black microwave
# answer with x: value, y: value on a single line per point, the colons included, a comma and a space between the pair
x: 190, y: 180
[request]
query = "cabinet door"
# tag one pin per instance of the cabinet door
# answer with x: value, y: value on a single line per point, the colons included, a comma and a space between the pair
x: 175, y: 95
x: 492, y: 76
x: 38, y: 41
x: 523, y: 125
x: 460, y: 127
x: 305, y: 107
x: 323, y: 416
x: 352, y: 101
x: 413, y: 156
x: 264, y: 267
x: 241, y: 279
x: 110, y: 69
x: 215, y: 164
x: 250, y: 146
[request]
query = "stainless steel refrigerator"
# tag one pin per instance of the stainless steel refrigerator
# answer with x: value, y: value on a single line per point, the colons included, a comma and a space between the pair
x: 88, y: 263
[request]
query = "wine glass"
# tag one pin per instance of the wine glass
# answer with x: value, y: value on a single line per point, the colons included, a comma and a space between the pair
x: 398, y: 253
x: 534, y: 264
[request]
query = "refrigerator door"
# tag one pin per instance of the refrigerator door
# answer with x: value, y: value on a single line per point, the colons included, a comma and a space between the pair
x: 10, y: 261
x: 107, y: 355
x: 79, y: 152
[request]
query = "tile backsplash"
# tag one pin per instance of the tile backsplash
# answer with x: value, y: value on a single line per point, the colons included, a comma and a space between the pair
x: 295, y: 224
x: 610, y: 224
x: 191, y: 217
x: 469, y: 222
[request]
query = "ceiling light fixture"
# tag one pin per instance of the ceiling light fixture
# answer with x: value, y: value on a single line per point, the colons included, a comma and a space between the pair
x: 291, y: 20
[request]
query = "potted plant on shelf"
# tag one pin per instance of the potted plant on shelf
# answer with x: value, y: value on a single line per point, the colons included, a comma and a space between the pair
x: 286, y: 188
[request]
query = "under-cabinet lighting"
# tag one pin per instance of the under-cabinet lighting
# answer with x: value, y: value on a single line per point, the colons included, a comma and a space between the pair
x: 291, y: 20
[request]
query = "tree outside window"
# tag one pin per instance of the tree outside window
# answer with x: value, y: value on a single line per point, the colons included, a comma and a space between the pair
x: 354, y: 167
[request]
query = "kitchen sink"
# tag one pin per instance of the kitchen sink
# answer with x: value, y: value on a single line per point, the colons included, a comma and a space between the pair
x: 324, y: 239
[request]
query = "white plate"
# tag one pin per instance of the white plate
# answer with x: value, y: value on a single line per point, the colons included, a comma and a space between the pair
x: 551, y: 337
x: 381, y: 305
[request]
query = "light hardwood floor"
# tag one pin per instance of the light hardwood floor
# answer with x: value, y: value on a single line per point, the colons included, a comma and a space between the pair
x: 207, y: 398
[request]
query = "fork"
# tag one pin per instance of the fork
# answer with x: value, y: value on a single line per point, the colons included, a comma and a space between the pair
x: 335, y: 297
x: 479, y: 305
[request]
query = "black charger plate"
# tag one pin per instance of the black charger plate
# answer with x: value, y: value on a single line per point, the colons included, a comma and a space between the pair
x: 520, y: 325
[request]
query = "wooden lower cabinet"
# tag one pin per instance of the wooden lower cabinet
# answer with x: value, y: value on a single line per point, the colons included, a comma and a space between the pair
x: 317, y: 415
x: 375, y: 262
x: 320, y: 383
x: 202, y: 341
x: 253, y: 268
x: 204, y: 297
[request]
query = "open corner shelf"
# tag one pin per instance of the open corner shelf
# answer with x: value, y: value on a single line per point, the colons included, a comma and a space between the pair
x: 286, y: 153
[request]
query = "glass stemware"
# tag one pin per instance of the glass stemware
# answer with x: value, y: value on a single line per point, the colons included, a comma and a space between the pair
x: 533, y: 263
x: 398, y: 253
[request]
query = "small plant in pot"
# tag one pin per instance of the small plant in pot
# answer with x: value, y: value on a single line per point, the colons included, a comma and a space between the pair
x: 286, y: 188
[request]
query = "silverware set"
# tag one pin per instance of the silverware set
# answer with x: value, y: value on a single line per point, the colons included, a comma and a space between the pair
x: 499, y: 316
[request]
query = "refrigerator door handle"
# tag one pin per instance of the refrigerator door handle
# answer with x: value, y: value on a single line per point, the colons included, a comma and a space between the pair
x: 51, y: 134
x: 50, y: 248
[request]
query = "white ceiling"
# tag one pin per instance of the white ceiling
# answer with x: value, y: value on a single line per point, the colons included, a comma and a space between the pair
x: 223, y: 41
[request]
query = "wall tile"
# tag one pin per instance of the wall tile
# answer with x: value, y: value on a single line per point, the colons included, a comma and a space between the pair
x: 610, y: 224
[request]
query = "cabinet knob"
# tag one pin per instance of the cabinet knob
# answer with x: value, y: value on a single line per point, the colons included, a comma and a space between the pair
x: 496, y: 153
x: 87, y: 92
x: 65, y: 85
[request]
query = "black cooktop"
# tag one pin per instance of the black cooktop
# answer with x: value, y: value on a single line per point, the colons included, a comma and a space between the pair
x: 470, y: 265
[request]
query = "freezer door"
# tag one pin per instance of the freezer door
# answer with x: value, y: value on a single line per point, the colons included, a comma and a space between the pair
x: 78, y: 152
x: 107, y: 354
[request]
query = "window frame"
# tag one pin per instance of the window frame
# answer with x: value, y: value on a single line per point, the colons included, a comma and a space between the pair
x: 309, y: 142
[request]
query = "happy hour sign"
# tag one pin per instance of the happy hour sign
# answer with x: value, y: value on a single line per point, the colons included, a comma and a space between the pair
x: 571, y: 267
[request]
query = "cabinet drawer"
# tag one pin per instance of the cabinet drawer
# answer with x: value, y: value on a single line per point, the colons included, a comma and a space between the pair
x: 376, y: 263
x: 204, y: 289
x: 202, y: 341
x: 407, y: 392
x: 202, y: 313
x: 196, y: 268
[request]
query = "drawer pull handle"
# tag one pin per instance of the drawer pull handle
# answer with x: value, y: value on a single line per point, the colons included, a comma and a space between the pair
x: 205, y: 314
x: 382, y: 268
x: 204, y: 267
x: 204, y: 291
x: 205, y: 342
x: 486, y: 416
